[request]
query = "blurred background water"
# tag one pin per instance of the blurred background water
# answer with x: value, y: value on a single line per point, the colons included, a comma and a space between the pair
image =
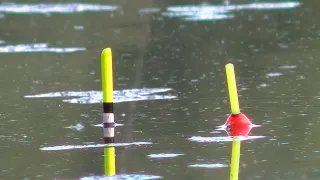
x: 177, y: 49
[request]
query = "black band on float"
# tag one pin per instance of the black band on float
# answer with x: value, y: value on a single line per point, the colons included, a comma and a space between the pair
x: 107, y: 107
x: 108, y: 140
x: 108, y: 125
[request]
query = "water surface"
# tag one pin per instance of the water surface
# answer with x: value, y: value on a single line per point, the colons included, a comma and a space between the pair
x: 52, y: 50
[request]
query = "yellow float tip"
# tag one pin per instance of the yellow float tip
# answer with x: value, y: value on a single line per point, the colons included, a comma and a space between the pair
x: 232, y: 88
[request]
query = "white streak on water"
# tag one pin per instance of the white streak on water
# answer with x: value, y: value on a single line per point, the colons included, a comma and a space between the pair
x: 39, y: 47
x: 275, y: 74
x: 208, y: 165
x: 91, y: 97
x: 221, y: 139
x: 205, y: 12
x: 69, y: 147
x: 263, y: 85
x: 164, y: 155
x: 123, y: 177
x: 204, y: 16
x: 287, y: 67
x: 233, y: 7
x: 65, y: 8
x: 101, y: 125
x: 77, y: 127
x: 149, y: 10
x: 225, y: 127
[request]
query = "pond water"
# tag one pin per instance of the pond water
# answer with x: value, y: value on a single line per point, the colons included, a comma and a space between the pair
x: 170, y: 91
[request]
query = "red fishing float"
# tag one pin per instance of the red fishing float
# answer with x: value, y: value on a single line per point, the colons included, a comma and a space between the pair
x: 238, y: 125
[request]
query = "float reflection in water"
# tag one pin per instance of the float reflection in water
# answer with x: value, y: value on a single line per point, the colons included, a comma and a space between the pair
x: 207, y: 12
x: 92, y: 97
x: 38, y: 47
x: 63, y: 8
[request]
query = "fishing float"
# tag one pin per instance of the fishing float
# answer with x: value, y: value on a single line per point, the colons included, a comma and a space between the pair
x: 236, y: 121
x: 108, y: 115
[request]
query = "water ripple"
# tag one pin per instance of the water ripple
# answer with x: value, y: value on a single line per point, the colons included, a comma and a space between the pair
x: 71, y: 147
x: 39, y: 47
x: 91, y: 97
x: 66, y: 8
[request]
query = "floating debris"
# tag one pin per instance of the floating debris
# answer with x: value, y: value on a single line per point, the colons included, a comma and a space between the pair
x: 91, y: 97
x: 65, y: 8
x: 39, y: 47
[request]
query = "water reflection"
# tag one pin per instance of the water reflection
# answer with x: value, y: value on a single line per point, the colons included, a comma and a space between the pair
x: 14, y: 8
x: 91, y: 97
x: 206, y: 12
x: 37, y: 47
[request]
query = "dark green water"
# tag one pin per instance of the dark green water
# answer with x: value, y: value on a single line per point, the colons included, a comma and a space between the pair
x: 275, y: 53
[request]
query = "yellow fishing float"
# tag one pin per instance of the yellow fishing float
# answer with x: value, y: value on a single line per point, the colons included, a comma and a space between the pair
x: 108, y: 115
